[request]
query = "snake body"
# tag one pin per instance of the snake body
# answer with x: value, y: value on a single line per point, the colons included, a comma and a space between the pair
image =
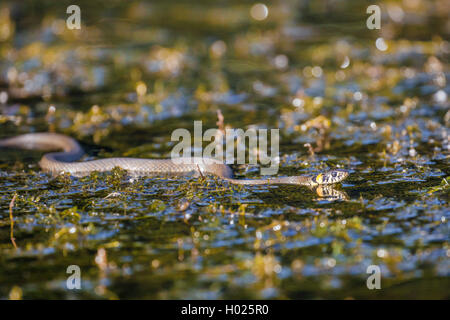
x: 65, y: 161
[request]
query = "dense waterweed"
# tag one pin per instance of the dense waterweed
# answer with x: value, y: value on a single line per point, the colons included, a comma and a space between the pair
x: 382, y: 115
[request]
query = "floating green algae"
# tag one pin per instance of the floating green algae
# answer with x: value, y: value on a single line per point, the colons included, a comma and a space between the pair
x: 136, y: 71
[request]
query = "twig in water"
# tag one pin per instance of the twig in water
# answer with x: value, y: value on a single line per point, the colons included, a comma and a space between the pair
x: 11, y: 218
x: 113, y: 194
x: 220, y: 122
x: 310, y: 149
x: 200, y: 171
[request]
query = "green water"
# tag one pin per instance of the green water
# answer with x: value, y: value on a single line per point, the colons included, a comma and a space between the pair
x: 136, y: 71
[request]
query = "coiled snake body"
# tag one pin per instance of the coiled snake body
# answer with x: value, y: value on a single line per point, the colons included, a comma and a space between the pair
x: 58, y: 162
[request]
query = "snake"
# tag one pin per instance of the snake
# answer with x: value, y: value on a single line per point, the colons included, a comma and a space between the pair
x: 66, y: 161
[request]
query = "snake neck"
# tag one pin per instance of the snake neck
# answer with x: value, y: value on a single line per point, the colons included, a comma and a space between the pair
x: 295, y: 180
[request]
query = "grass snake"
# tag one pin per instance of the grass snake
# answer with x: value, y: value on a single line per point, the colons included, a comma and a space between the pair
x: 65, y: 161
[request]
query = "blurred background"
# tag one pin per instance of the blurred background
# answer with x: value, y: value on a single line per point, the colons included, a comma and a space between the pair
x: 372, y: 101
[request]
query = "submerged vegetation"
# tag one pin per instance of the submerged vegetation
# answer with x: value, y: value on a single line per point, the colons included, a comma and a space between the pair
x: 374, y: 102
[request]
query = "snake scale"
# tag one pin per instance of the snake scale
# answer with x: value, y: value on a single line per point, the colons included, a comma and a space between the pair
x: 65, y: 161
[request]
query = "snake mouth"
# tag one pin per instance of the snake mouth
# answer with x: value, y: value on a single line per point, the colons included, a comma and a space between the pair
x: 330, y: 177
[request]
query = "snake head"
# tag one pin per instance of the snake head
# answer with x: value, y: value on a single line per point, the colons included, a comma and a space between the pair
x: 329, y: 177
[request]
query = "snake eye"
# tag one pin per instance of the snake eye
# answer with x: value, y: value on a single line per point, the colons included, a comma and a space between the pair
x: 319, y: 178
